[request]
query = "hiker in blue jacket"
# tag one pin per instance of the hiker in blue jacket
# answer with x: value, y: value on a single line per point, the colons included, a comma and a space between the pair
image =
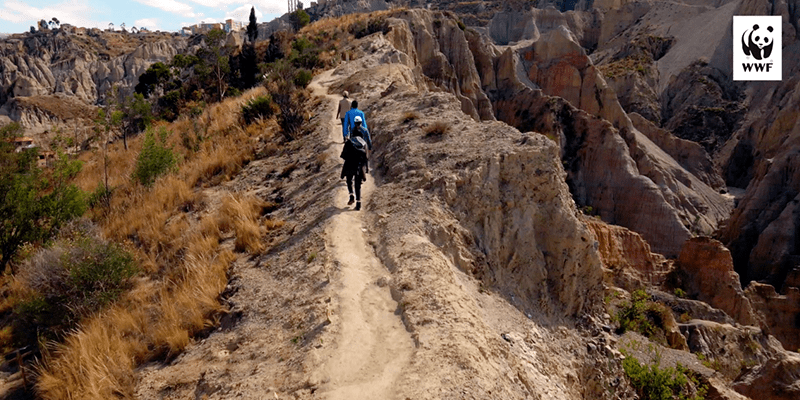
x: 354, y: 153
x: 349, y: 120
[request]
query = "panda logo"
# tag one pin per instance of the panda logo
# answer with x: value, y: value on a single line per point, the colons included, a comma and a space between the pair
x: 757, y: 42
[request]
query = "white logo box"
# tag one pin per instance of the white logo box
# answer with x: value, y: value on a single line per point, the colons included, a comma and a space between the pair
x: 757, y: 48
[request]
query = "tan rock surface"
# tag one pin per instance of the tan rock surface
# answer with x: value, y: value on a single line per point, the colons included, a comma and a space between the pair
x: 778, y: 313
x: 707, y: 274
x: 626, y: 256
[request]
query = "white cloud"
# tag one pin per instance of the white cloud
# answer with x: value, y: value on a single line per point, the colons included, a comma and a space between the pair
x: 74, y: 12
x: 149, y: 23
x: 172, y: 6
x: 267, y: 6
x: 242, y: 14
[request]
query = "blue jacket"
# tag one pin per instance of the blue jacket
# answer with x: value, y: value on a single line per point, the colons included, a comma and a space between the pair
x: 349, y: 121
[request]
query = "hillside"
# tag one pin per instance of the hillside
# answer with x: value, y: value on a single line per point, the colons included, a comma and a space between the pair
x: 566, y: 201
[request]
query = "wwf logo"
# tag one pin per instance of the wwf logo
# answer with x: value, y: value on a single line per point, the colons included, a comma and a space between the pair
x: 757, y: 46
x: 758, y: 42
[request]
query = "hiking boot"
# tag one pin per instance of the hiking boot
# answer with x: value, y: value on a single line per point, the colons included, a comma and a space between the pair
x: 358, y: 206
x: 352, y: 199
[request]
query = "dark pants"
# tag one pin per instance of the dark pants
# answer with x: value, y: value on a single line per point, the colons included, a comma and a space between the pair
x: 350, y: 186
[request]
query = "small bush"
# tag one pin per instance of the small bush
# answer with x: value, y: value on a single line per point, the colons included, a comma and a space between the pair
x: 437, y: 129
x: 71, y: 280
x: 643, y: 316
x: 680, y: 293
x: 303, y: 77
x: 259, y: 107
x: 655, y: 383
x: 155, y: 159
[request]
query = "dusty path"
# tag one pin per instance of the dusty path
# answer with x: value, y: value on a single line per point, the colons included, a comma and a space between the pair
x: 372, y: 346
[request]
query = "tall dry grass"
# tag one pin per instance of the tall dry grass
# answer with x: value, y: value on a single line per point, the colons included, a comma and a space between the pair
x: 175, y: 230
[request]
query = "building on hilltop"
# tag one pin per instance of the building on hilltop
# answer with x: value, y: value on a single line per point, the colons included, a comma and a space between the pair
x: 22, y: 143
x: 228, y: 26
x: 232, y: 26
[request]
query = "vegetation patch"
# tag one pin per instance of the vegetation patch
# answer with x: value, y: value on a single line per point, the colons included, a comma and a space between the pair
x: 653, y: 382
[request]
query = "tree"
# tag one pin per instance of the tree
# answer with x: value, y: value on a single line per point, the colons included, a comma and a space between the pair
x: 33, y: 204
x: 111, y: 26
x: 56, y: 22
x: 215, y: 54
x: 43, y: 25
x: 252, y: 27
x: 156, y: 76
x: 134, y: 29
x: 299, y: 19
x: 122, y: 26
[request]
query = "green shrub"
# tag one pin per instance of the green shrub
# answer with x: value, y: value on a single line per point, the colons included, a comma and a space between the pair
x: 299, y: 19
x: 655, y: 383
x: 33, y: 203
x: 155, y: 159
x: 72, y: 279
x: 641, y: 315
x: 259, y: 107
x: 303, y: 78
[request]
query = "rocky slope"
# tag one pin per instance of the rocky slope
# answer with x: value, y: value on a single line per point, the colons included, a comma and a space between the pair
x: 44, y: 76
x: 498, y: 279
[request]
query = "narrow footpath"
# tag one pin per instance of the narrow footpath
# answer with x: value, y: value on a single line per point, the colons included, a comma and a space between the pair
x: 372, y: 346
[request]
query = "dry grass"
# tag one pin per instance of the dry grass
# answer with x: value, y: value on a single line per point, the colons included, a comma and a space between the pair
x: 410, y: 116
x: 437, y: 129
x: 240, y: 214
x: 175, y: 230
x: 342, y: 24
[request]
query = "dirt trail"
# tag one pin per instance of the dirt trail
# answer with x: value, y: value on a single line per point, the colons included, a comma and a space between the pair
x: 372, y: 346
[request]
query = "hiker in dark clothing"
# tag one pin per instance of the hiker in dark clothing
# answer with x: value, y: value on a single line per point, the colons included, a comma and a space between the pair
x: 355, y: 167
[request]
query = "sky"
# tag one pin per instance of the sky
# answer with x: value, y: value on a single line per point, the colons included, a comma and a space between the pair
x: 17, y: 16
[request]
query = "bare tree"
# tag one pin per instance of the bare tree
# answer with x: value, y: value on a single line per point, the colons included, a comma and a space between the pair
x: 56, y: 22
x: 122, y: 26
x: 111, y: 26
x: 134, y: 29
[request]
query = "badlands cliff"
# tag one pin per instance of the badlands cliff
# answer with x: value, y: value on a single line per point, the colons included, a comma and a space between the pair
x: 537, y: 167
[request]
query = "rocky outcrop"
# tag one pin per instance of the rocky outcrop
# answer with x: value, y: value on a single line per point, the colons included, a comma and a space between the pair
x: 703, y: 105
x: 516, y: 26
x: 610, y: 166
x: 776, y: 379
x: 437, y: 47
x: 59, y: 65
x: 779, y: 314
x: 690, y: 155
x: 705, y: 272
x: 626, y: 257
x: 728, y: 349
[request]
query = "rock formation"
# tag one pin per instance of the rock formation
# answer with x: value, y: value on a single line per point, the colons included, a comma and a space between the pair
x: 779, y: 313
x: 705, y: 272
x: 56, y: 65
x: 627, y: 257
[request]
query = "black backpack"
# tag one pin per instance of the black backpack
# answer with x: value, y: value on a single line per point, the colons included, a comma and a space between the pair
x: 359, y: 144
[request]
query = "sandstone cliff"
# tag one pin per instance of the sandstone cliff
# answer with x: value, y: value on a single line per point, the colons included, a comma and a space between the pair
x: 57, y: 65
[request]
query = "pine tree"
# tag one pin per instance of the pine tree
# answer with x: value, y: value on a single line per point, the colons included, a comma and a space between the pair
x: 252, y: 27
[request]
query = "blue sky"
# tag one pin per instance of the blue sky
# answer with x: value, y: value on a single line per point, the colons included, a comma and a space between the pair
x: 18, y: 16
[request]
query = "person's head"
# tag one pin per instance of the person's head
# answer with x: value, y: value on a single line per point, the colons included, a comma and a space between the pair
x: 345, y: 94
x: 354, y: 104
x: 357, y: 120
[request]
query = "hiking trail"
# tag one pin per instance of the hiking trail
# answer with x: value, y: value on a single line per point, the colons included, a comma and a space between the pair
x: 371, y: 347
